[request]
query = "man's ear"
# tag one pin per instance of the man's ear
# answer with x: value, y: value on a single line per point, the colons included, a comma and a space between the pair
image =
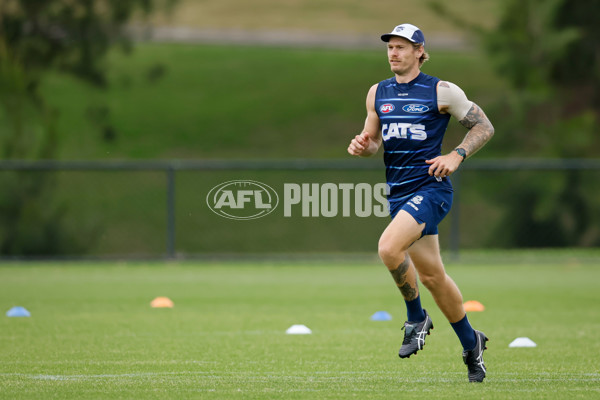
x: 420, y: 51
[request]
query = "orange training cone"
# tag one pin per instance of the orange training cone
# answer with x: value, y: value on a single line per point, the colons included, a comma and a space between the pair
x: 473, y: 305
x: 162, y: 302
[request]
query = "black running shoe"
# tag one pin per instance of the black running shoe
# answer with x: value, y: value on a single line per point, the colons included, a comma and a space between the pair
x: 414, y: 336
x: 474, y: 359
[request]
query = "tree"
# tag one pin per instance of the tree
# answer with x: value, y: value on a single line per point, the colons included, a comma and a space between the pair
x: 549, y: 53
x: 36, y: 37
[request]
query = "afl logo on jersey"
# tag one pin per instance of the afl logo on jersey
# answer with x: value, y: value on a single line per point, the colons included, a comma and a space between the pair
x: 386, y: 108
x: 415, y: 108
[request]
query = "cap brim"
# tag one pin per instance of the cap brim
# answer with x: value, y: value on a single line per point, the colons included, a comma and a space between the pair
x: 388, y: 36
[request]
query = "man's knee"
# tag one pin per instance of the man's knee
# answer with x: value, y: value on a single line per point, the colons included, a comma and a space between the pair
x: 433, y: 280
x: 391, y: 254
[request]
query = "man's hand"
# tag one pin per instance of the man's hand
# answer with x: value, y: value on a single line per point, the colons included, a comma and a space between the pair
x: 443, y: 166
x: 359, y: 146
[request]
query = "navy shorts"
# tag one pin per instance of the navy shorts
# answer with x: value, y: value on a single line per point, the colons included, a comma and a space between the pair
x: 427, y: 205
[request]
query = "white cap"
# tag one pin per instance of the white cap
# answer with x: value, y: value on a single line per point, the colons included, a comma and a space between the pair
x: 406, y: 31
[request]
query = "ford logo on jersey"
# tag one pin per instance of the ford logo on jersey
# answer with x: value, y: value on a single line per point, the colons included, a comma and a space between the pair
x: 386, y: 108
x: 415, y: 108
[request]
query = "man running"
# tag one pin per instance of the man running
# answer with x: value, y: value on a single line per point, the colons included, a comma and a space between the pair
x: 409, y: 114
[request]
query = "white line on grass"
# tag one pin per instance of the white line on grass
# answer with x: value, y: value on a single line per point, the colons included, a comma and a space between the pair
x: 80, y: 377
x: 326, y: 376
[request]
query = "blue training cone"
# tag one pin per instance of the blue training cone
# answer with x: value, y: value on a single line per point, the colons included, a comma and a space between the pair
x: 381, y: 316
x: 18, y: 312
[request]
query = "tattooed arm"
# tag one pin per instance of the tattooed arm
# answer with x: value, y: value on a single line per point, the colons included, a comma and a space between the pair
x: 480, y: 130
x: 452, y: 100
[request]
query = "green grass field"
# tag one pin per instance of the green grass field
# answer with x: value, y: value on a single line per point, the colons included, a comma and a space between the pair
x: 92, y: 333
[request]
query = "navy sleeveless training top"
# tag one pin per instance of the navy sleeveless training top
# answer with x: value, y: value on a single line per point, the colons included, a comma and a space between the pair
x: 412, y: 129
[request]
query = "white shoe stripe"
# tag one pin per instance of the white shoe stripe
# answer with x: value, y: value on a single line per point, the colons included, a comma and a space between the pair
x: 422, y: 334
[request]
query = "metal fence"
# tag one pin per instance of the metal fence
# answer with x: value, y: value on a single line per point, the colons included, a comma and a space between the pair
x: 172, y: 170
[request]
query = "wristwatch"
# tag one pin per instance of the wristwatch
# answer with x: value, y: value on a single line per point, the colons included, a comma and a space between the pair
x: 461, y: 152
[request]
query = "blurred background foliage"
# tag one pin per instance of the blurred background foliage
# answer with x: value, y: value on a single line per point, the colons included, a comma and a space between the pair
x: 549, y: 53
x: 38, y: 38
x: 75, y: 86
